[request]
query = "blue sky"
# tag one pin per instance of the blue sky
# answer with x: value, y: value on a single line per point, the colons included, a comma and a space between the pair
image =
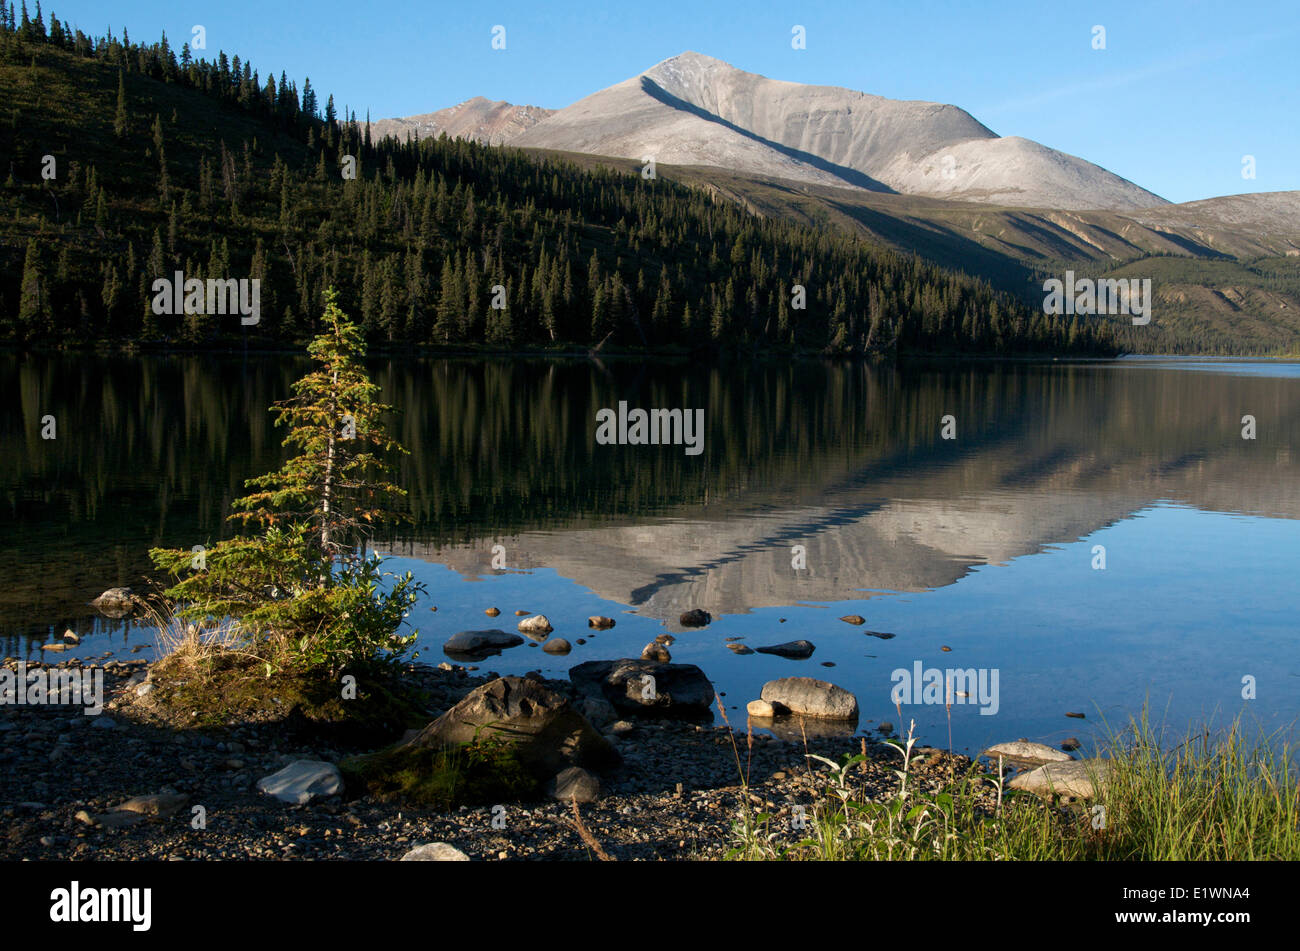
x: 1182, y: 91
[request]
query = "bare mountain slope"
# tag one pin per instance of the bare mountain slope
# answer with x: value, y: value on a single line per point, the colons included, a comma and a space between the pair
x: 696, y: 110
x: 479, y: 119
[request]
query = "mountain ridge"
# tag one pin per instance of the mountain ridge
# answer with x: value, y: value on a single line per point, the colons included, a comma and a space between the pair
x: 693, y: 109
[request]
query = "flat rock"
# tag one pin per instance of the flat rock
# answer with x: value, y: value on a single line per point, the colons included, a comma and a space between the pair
x: 795, y: 650
x: 302, y: 781
x: 574, y: 783
x: 1027, y: 752
x: 434, y: 852
x: 480, y: 644
x: 1077, y: 779
x: 809, y: 697
x: 163, y: 805
x: 854, y: 619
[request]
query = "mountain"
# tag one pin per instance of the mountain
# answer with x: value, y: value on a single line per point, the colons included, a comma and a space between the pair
x: 696, y: 110
x: 478, y: 119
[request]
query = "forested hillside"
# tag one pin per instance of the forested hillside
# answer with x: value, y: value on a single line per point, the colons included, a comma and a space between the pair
x: 163, y: 163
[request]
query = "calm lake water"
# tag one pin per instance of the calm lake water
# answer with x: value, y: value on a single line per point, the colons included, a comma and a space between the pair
x: 822, y: 490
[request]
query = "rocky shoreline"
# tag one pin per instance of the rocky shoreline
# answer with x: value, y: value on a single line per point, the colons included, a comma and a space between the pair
x: 64, y: 777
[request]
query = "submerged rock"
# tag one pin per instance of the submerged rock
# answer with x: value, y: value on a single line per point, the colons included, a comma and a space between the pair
x: 116, y: 602
x: 480, y: 644
x: 794, y: 650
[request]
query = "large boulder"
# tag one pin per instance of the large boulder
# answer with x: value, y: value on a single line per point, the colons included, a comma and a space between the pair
x: 546, y: 732
x: 1077, y: 779
x: 480, y: 644
x: 809, y: 697
x: 646, y: 687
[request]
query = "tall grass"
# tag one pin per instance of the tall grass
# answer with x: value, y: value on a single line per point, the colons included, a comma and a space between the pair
x: 1210, y: 797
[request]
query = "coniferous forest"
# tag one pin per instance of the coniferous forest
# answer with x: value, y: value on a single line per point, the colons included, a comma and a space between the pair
x: 127, y: 162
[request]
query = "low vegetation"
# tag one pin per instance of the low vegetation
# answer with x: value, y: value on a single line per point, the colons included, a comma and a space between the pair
x: 1209, y: 798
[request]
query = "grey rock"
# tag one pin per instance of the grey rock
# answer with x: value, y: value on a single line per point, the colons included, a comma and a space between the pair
x: 671, y: 690
x: 809, y: 697
x: 116, y: 602
x: 434, y: 852
x: 1026, y: 752
x: 574, y: 783
x: 163, y: 805
x: 1077, y: 779
x: 598, y: 710
x: 480, y: 644
x: 302, y: 781
x: 536, y: 625
x: 795, y: 650
x: 547, y: 732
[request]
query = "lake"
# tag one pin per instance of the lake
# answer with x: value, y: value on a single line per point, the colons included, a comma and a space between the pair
x: 1096, y: 535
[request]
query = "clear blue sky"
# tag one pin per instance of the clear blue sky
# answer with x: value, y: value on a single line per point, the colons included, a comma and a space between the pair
x: 1183, y: 90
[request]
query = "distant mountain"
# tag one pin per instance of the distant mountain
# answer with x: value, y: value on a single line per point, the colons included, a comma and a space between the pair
x: 696, y: 110
x: 478, y: 119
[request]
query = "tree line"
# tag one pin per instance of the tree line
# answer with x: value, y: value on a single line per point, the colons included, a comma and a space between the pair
x: 170, y: 163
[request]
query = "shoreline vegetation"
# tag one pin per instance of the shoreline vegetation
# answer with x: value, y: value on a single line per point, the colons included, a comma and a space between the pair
x: 285, y: 707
